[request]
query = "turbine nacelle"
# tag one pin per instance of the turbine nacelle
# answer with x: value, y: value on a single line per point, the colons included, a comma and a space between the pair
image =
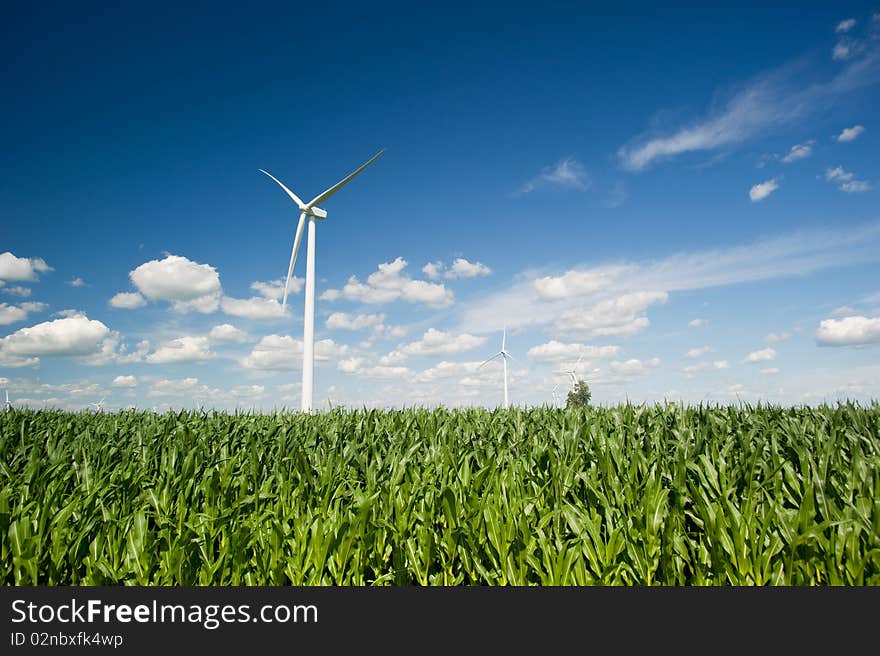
x: 316, y: 212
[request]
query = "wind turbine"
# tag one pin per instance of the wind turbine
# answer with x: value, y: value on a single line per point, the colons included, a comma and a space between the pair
x: 99, y: 406
x: 572, y: 372
x: 504, y: 356
x: 555, y: 395
x: 313, y: 212
x: 8, y: 405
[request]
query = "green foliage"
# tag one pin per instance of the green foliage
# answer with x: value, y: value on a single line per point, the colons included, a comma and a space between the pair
x: 627, y: 495
x: 579, y: 396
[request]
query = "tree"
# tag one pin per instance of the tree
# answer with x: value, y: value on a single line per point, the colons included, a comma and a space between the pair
x: 579, y: 396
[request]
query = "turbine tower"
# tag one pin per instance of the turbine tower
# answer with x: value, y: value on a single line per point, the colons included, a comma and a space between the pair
x: 505, y: 356
x: 8, y: 405
x: 313, y: 212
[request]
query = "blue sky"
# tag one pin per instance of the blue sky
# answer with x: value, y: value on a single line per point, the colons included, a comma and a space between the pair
x: 684, y: 198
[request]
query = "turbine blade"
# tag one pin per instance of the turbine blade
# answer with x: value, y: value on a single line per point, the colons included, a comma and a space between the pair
x: 295, y: 198
x: 504, y: 339
x: 489, y: 360
x: 339, y: 185
x: 296, y: 241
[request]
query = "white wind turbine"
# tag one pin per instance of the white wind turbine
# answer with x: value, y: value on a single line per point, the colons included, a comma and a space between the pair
x: 572, y: 372
x: 505, y: 356
x: 555, y: 395
x: 99, y: 406
x: 8, y: 405
x: 313, y: 212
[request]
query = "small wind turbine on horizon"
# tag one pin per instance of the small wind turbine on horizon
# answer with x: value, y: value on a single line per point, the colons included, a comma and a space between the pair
x: 505, y: 356
x: 99, y: 406
x: 8, y: 405
x: 313, y: 212
x: 572, y: 372
x: 555, y: 395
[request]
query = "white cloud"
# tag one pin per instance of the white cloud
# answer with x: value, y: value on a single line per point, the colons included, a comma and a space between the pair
x: 772, y: 99
x: 17, y: 290
x: 443, y: 370
x: 798, y: 152
x: 187, y: 285
x: 21, y: 268
x: 434, y: 342
x: 389, y: 284
x: 282, y: 352
x: 554, y: 351
x: 762, y: 190
x: 775, y: 338
x: 247, y: 391
x: 761, y: 356
x: 622, y: 316
x: 350, y: 365
x: 14, y: 313
x: 274, y: 289
x: 841, y: 51
x: 345, y: 321
x: 851, y: 134
x: 125, y: 381
x: 692, y: 369
x: 461, y: 268
x: 76, y: 282
x: 577, y: 283
x: 795, y: 254
x: 845, y: 25
x: 188, y: 387
x: 256, y: 307
x: 567, y: 173
x: 721, y: 364
x: 182, y: 349
x: 854, y: 186
x: 127, y: 300
x: 698, y: 352
x: 433, y: 269
x: 849, y: 331
x: 697, y: 323
x: 837, y: 174
x: 226, y: 332
x: 385, y: 373
x: 70, y: 336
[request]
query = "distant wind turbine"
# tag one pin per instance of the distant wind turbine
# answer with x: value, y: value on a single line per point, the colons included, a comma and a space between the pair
x: 555, y: 395
x: 8, y: 405
x: 314, y: 212
x: 572, y: 372
x: 99, y: 406
x: 505, y: 356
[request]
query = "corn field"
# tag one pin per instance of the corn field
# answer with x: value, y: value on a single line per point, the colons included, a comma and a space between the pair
x: 627, y: 495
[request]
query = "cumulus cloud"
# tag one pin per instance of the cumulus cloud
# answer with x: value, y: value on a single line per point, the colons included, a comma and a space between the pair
x: 350, y: 365
x: 433, y: 270
x: 125, y: 381
x: 188, y: 387
x: 721, y: 364
x: 697, y: 323
x: 226, y: 332
x: 762, y: 190
x: 775, y: 338
x: 21, y: 268
x: 128, y: 300
x: 186, y: 284
x: 849, y: 331
x: 70, y: 336
x: 256, y: 307
x: 76, y: 282
x: 798, y: 152
x: 282, y: 352
x: 345, y: 321
x: 14, y: 313
x: 621, y: 316
x: 761, y: 356
x: 698, y: 352
x: 854, y: 186
x: 444, y: 370
x: 182, y: 349
x: 389, y: 284
x: 274, y: 289
x: 554, y: 351
x: 434, y: 342
x: 577, y: 283
x: 851, y: 134
x: 837, y: 174
x: 567, y: 173
x: 461, y: 268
